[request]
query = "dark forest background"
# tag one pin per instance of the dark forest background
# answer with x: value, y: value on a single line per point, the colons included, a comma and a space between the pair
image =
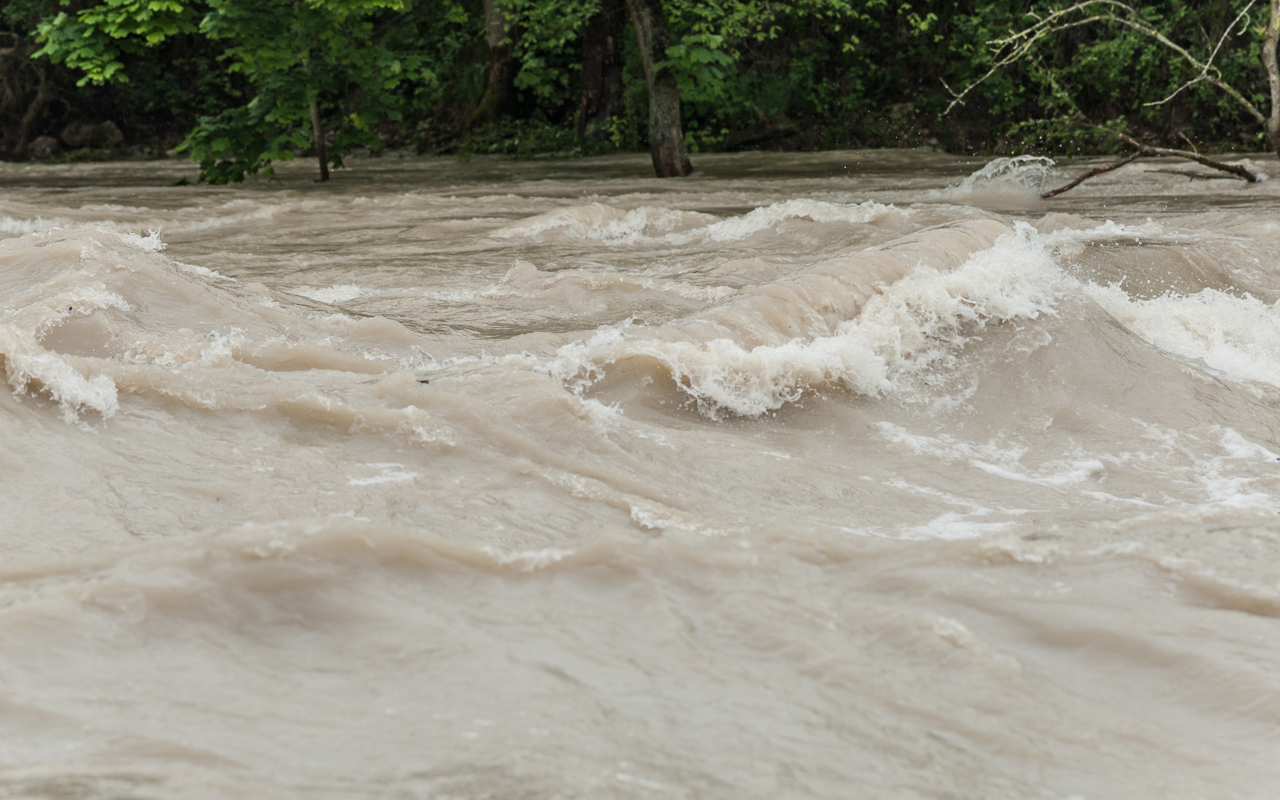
x: 566, y: 77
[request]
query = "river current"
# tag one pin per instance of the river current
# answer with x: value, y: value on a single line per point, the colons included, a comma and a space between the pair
x: 858, y: 474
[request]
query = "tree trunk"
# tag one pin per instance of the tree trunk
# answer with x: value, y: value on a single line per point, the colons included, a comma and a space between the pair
x: 319, y: 136
x: 601, y: 66
x: 33, y: 111
x: 1270, y: 38
x: 666, y: 137
x: 21, y: 77
x: 500, y: 34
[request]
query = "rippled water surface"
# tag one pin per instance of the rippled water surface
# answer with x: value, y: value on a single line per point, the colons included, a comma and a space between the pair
x: 839, y: 475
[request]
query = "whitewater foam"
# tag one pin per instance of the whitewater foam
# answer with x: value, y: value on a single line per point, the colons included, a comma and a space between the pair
x: 29, y: 365
x: 609, y: 224
x: 493, y: 554
x: 1236, y: 336
x: 1020, y: 174
x: 333, y: 295
x: 771, y: 216
x: 525, y: 281
x: 20, y: 227
x: 604, y: 223
x: 913, y: 324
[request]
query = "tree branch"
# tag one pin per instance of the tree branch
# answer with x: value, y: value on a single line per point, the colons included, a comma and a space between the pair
x: 1093, y: 173
x: 1014, y: 47
x: 1020, y: 49
x: 1149, y: 150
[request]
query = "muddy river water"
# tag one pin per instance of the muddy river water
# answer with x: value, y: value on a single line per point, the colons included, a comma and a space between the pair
x: 840, y: 475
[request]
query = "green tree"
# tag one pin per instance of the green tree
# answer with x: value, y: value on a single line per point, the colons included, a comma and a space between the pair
x: 317, y: 67
x: 1144, y: 58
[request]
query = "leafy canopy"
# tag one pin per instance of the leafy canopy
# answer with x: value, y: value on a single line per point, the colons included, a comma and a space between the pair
x: 294, y: 53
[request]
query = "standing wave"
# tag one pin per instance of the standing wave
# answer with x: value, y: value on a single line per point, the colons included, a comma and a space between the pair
x: 860, y: 321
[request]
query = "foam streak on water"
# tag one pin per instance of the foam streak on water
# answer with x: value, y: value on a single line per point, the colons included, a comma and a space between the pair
x: 822, y: 475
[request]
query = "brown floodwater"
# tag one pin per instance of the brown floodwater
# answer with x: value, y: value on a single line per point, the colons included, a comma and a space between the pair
x: 860, y: 474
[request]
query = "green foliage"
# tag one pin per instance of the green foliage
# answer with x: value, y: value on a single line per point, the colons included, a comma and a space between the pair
x: 320, y: 51
x: 1105, y: 71
x: 549, y: 47
x: 95, y: 40
x: 168, y: 89
x: 532, y: 138
x: 243, y: 75
x: 445, y: 36
x: 235, y: 143
x: 294, y: 55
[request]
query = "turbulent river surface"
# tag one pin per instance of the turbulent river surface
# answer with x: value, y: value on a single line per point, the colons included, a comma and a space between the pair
x: 841, y: 475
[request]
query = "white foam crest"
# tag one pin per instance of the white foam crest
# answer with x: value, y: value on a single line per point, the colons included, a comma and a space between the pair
x: 947, y: 448
x: 911, y: 318
x: 604, y: 417
x: 220, y: 351
x: 953, y: 526
x: 1002, y: 462
x: 1239, y: 447
x: 609, y: 224
x: 648, y: 222
x: 524, y: 280
x: 26, y: 362
x: 770, y: 216
x: 1238, y: 336
x: 37, y: 312
x: 21, y: 227
x: 1221, y: 477
x: 654, y: 517
x: 114, y: 207
x: 151, y: 242
x: 1022, y: 174
x: 338, y: 293
x: 256, y: 212
x: 722, y: 375
x: 1111, y: 230
x: 528, y: 560
x: 601, y: 222
x: 205, y: 272
x: 390, y: 473
x: 185, y: 350
x: 450, y: 295
x: 914, y: 324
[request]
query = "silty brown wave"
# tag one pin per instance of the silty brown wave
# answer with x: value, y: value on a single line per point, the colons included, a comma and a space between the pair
x: 854, y: 474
